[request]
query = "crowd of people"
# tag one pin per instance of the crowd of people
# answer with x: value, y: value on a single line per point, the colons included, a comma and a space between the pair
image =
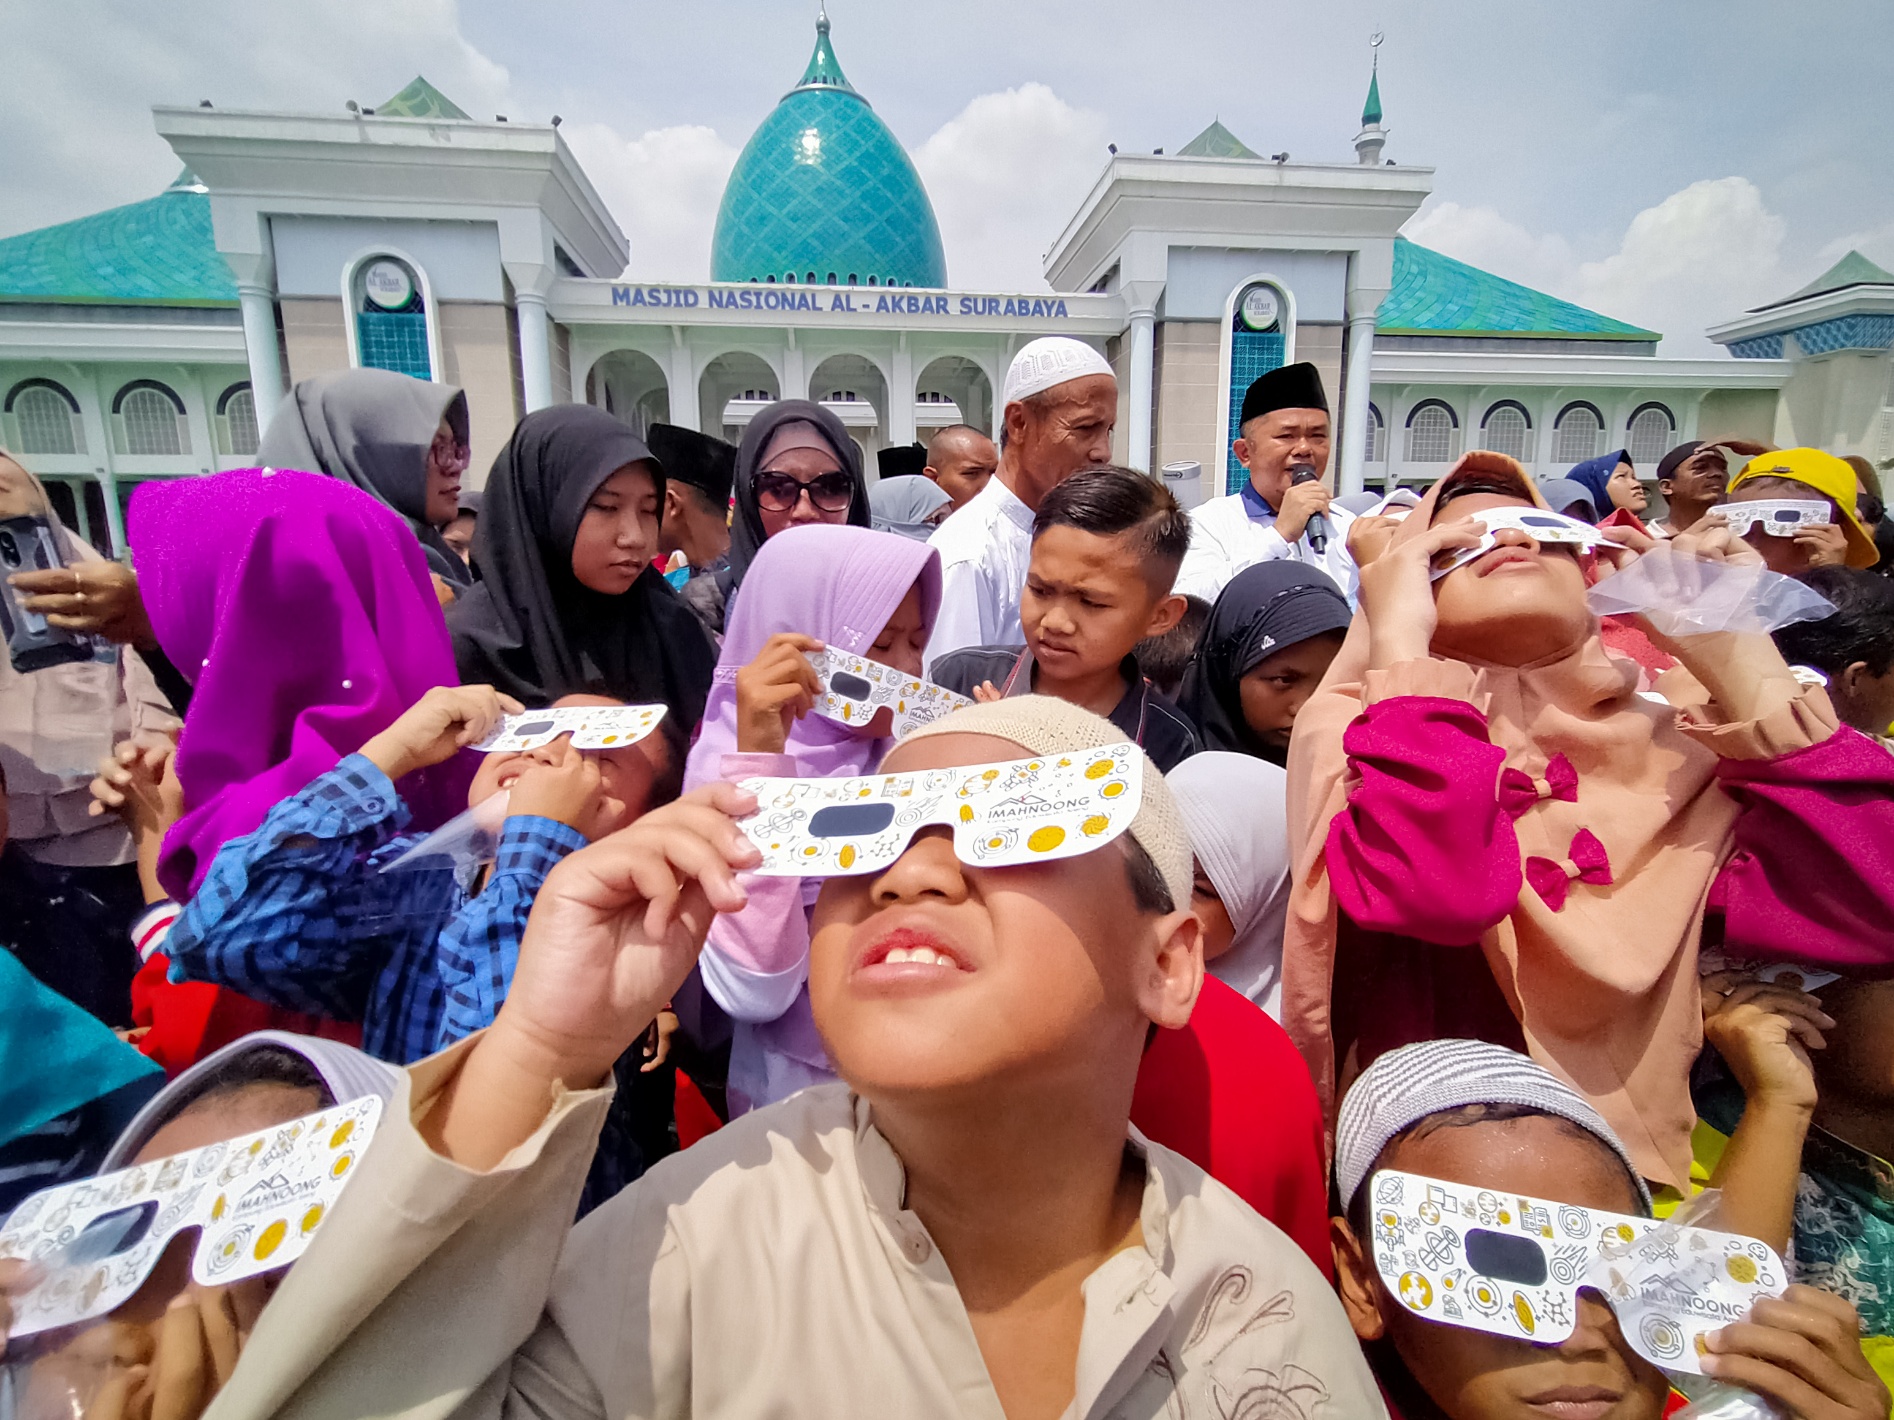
x: 1061, y: 1054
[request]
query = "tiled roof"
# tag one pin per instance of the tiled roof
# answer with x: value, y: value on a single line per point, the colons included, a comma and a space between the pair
x: 1436, y: 295
x: 421, y: 100
x: 1853, y: 269
x: 160, y: 251
x: 1216, y: 141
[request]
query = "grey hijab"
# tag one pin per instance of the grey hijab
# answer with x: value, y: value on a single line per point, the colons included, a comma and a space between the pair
x: 373, y: 429
x: 906, y: 505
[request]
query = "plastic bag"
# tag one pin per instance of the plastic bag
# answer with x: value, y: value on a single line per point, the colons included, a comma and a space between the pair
x: 467, y: 840
x: 1714, y: 1399
x: 1681, y: 595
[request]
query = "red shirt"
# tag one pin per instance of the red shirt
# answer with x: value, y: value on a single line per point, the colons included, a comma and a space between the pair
x: 1231, y: 1094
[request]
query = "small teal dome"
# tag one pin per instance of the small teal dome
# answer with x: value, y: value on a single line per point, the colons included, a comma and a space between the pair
x: 823, y: 192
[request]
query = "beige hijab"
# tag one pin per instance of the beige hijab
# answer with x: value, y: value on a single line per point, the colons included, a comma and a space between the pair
x: 1605, y: 989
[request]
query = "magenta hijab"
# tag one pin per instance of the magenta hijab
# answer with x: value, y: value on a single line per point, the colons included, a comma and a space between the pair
x: 839, y: 584
x: 300, y: 610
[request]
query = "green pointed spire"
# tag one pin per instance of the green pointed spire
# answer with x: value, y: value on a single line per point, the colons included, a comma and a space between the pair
x: 421, y: 100
x: 824, y: 71
x: 1216, y: 141
x: 1371, y: 111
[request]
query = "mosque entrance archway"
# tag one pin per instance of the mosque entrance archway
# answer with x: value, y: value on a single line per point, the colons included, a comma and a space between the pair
x: 631, y: 385
x: 951, y: 390
x: 853, y: 389
x: 732, y: 390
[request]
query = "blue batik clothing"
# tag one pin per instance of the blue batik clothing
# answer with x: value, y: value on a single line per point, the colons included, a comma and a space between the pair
x: 298, y: 914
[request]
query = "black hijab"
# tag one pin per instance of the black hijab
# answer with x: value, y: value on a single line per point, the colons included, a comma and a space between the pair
x: 529, y: 627
x: 372, y: 429
x: 1264, y: 609
x: 746, y: 526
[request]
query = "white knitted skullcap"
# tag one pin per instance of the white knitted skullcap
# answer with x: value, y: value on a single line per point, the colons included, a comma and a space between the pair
x: 1048, y: 361
x: 348, y: 1073
x: 1041, y: 724
x: 1404, y: 1086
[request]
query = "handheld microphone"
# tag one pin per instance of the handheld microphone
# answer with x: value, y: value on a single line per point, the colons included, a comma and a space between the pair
x: 1317, y: 528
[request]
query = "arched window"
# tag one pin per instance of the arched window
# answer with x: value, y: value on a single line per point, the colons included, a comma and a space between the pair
x: 1377, y: 448
x: 1648, y: 437
x: 236, y: 421
x: 150, y: 419
x: 43, y: 418
x: 1508, y: 430
x: 391, y: 318
x: 1579, y: 425
x: 1432, y: 431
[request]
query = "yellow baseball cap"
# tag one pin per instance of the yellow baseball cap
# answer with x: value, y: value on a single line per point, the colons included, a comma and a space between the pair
x: 1828, y: 476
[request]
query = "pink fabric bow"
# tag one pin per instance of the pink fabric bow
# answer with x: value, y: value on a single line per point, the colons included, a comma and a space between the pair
x: 1519, y: 791
x: 1587, y: 864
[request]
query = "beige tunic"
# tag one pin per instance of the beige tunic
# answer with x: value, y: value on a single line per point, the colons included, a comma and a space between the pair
x: 769, y: 1270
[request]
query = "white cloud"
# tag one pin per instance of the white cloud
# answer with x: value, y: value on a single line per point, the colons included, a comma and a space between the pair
x: 1698, y: 258
x: 1005, y: 175
x: 82, y: 76
x: 664, y: 188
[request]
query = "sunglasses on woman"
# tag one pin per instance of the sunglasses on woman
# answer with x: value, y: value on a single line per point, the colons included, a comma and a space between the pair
x: 780, y: 492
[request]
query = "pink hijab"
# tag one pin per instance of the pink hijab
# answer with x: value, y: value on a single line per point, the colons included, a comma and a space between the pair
x: 300, y: 610
x: 839, y: 584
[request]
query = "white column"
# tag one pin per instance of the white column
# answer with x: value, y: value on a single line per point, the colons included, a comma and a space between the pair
x: 1138, y: 405
x: 1356, y: 393
x: 681, y: 376
x: 535, y: 348
x: 258, y: 304
x: 114, y: 518
x: 901, y: 395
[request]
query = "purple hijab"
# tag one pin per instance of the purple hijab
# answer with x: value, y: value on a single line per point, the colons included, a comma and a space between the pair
x: 839, y: 584
x: 301, y: 611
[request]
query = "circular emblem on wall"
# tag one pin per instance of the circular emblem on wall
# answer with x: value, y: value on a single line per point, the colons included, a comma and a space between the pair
x: 387, y: 285
x: 1261, y: 308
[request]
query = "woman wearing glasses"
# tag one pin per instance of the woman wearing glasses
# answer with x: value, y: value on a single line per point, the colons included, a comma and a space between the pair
x: 400, y: 440
x: 568, y: 602
x: 796, y: 465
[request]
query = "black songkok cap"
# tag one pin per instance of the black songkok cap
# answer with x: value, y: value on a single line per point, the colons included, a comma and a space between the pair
x: 900, y: 460
x: 707, y: 464
x: 1667, y: 465
x: 1296, y: 386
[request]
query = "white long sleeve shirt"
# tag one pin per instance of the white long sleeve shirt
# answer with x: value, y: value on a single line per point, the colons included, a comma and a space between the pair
x: 984, y: 550
x: 1229, y: 534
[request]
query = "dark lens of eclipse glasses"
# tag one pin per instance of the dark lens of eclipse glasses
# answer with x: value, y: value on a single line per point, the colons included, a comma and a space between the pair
x: 779, y: 492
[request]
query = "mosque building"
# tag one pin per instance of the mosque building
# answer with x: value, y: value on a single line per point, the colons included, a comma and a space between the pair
x: 154, y: 340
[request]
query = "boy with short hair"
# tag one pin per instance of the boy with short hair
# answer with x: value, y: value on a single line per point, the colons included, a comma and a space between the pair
x: 1106, y: 546
x: 1853, y: 649
x: 967, y: 1226
x: 1473, y: 1113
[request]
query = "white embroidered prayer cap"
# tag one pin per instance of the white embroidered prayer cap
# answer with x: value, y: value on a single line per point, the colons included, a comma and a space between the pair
x: 1048, y: 361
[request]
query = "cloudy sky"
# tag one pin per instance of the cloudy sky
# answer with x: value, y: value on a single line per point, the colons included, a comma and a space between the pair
x: 1670, y: 164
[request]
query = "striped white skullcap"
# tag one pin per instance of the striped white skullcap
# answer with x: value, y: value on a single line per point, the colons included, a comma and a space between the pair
x: 348, y: 1073
x: 1404, y: 1086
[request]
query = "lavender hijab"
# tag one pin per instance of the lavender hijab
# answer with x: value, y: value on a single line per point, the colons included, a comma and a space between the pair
x: 839, y: 584
x: 300, y: 610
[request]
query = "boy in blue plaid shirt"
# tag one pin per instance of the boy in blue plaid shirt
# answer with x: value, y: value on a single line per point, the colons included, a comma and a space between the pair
x: 298, y: 913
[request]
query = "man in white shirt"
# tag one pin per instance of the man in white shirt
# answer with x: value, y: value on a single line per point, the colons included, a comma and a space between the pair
x: 1060, y: 404
x: 1284, y: 427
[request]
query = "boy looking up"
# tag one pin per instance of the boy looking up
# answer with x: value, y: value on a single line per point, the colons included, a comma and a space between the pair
x: 1106, y: 545
x: 1467, y: 1112
x: 966, y: 1227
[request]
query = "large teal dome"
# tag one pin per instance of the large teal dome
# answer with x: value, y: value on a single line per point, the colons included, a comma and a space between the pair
x: 824, y: 193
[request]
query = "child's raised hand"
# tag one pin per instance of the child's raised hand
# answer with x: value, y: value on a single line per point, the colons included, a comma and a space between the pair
x: 560, y: 784
x: 986, y: 693
x: 1825, y: 543
x: 1804, y: 1350
x: 1765, y: 1033
x: 774, y: 691
x: 447, y: 719
x: 1397, y: 592
x: 131, y: 782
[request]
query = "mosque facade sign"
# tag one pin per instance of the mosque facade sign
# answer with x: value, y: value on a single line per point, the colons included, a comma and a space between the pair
x: 751, y: 303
